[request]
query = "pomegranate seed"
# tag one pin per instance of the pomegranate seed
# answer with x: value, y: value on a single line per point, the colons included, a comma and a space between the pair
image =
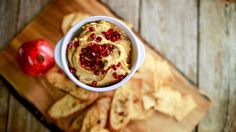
x: 82, y: 60
x: 83, y: 65
x: 97, y: 60
x: 94, y: 83
x: 113, y: 39
x: 99, y: 39
x: 115, y: 75
x: 118, y: 36
x: 105, y: 33
x: 88, y: 63
x: 106, y: 53
x: 110, y: 31
x: 81, y: 55
x: 100, y: 64
x: 96, y: 72
x: 115, y: 33
x: 93, y: 36
x: 111, y: 47
x: 104, y: 72
x: 118, y: 65
x: 84, y: 50
x: 72, y: 70
x: 107, y: 37
x: 91, y: 29
x: 93, y: 54
x: 76, y: 44
x: 120, y: 77
x: 114, y: 67
x: 69, y: 46
x: 93, y: 67
x: 90, y: 45
x: 99, y: 48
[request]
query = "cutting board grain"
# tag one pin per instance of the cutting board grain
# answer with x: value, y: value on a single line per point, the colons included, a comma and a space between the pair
x: 41, y: 96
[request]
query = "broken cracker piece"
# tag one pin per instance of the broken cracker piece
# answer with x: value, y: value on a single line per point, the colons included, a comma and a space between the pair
x: 71, y: 19
x: 67, y: 106
x: 167, y: 99
x: 148, y: 101
x: 163, y: 74
x: 172, y: 103
x: 184, y: 107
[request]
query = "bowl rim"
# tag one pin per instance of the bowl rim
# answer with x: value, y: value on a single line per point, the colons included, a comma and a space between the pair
x: 70, y: 35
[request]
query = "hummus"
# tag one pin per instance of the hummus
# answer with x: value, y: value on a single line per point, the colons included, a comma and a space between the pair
x: 100, y: 54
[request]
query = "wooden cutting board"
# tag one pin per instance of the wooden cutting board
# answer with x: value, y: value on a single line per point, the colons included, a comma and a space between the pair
x: 39, y: 95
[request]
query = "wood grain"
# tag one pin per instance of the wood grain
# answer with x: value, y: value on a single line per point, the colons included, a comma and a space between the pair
x: 4, y: 97
x: 41, y: 95
x: 171, y: 27
x: 217, y: 66
x: 20, y: 119
x: 9, y: 18
x: 28, y: 9
x: 127, y: 9
x: 16, y: 14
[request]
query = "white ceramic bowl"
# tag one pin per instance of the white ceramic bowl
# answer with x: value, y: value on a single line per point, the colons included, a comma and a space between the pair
x: 138, y: 53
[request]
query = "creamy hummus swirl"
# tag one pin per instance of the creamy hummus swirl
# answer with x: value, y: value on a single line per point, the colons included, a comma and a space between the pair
x: 120, y: 54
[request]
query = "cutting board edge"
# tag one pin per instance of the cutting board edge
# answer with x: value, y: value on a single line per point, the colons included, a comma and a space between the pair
x: 32, y: 108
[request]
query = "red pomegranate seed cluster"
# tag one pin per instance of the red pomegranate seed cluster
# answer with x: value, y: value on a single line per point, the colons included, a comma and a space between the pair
x: 94, y: 83
x: 91, y: 57
x: 91, y: 29
x: 112, y: 35
x: 115, y: 67
x: 117, y: 76
x: 70, y: 45
x: 72, y: 70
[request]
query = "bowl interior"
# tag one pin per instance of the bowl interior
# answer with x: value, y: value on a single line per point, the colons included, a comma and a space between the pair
x: 75, y: 30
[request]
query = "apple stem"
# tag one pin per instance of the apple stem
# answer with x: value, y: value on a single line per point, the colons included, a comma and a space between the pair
x: 40, y: 58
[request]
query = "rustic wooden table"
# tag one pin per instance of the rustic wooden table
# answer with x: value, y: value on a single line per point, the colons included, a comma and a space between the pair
x: 198, y: 36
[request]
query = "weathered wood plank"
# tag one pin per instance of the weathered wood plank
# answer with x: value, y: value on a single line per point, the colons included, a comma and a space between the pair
x: 8, y: 23
x: 171, y: 27
x: 29, y: 9
x: 4, y: 97
x: 217, y: 67
x: 127, y: 9
x: 19, y: 118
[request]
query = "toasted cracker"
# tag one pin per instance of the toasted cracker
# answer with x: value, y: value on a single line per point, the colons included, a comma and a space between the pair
x: 136, y: 86
x: 172, y: 103
x: 103, y: 105
x: 71, y: 19
x: 78, y: 17
x: 148, y: 101
x: 107, y: 94
x: 96, y: 115
x: 61, y: 82
x: 121, y: 108
x: 146, y: 72
x: 90, y: 119
x: 66, y: 22
x: 167, y: 100
x: 75, y: 126
x: 98, y: 129
x: 184, y: 107
x: 67, y: 106
x: 163, y: 74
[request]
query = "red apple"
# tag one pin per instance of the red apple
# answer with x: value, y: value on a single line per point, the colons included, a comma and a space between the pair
x: 35, y: 57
